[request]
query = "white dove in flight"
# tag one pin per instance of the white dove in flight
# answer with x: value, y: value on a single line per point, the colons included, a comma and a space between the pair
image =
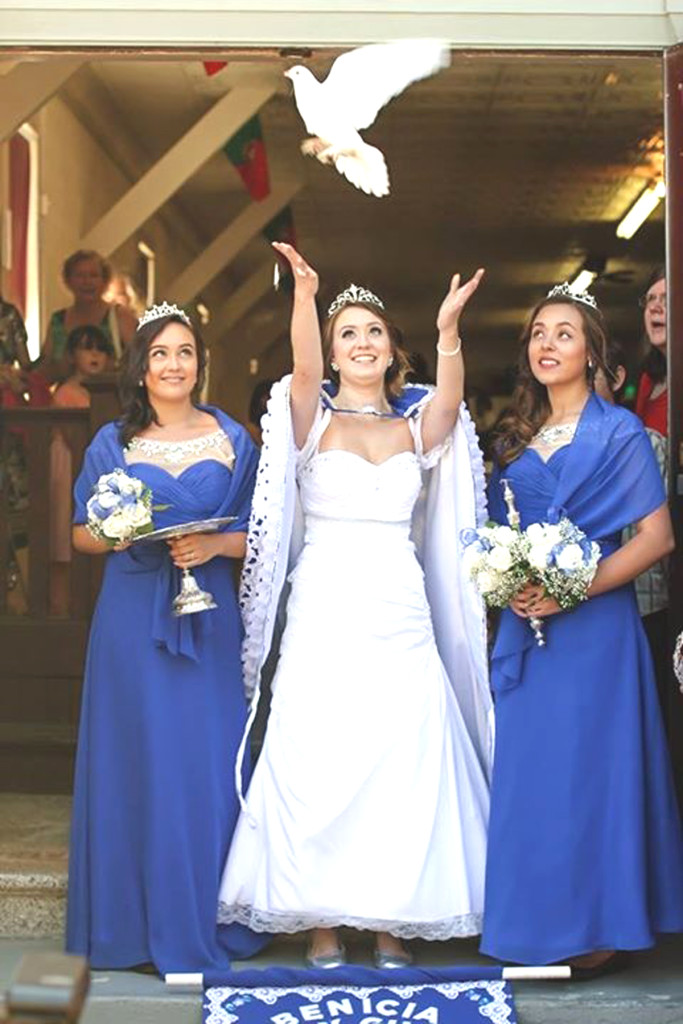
x: 358, y: 85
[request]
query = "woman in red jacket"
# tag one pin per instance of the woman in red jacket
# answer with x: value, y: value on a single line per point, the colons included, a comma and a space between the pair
x: 651, y: 403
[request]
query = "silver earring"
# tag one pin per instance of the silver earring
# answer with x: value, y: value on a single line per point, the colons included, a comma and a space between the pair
x: 334, y: 367
x: 141, y: 383
x: 391, y: 361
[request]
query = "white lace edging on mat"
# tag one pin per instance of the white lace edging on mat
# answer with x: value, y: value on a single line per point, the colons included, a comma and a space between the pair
x: 268, y: 921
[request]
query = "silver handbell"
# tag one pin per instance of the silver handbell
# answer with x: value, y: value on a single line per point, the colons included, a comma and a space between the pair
x: 192, y: 598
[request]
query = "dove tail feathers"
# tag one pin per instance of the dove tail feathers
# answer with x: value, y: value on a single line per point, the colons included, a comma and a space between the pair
x: 365, y: 167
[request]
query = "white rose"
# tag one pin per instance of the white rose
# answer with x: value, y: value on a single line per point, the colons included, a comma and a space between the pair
x: 553, y: 535
x: 471, y: 558
x: 500, y: 558
x: 506, y: 536
x: 116, y: 527
x: 138, y: 515
x: 486, y: 581
x: 570, y: 558
x: 538, y: 556
x: 536, y: 533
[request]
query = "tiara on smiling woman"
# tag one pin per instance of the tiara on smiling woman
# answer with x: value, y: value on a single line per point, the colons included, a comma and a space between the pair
x: 351, y: 295
x: 563, y: 291
x: 157, y: 312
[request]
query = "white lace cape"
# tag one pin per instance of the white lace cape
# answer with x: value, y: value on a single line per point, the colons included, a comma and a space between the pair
x: 453, y: 498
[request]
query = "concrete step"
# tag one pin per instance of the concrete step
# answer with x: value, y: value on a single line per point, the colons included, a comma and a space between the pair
x: 37, y: 757
x: 33, y: 864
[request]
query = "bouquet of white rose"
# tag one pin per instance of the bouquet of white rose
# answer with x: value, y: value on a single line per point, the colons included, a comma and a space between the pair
x: 120, y: 509
x: 494, y: 557
x: 563, y: 559
x: 502, y: 560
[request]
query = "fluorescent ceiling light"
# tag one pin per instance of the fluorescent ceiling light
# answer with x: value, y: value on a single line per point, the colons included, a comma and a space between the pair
x: 646, y: 202
x: 583, y: 280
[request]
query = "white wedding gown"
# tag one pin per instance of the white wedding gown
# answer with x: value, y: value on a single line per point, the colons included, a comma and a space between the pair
x: 368, y: 806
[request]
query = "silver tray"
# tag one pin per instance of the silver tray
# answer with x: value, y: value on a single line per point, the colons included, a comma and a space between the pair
x: 182, y: 529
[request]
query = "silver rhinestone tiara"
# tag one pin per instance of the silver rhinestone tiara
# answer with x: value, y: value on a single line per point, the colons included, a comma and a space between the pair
x: 157, y: 312
x: 563, y: 291
x: 351, y: 295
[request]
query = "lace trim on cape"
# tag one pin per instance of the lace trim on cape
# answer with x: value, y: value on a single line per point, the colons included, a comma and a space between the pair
x: 264, y: 537
x: 278, y: 922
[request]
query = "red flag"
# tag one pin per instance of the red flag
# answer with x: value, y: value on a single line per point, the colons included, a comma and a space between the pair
x: 212, y: 67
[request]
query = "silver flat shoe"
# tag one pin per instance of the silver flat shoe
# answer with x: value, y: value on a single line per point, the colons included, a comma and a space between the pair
x: 337, y: 958
x: 388, y: 961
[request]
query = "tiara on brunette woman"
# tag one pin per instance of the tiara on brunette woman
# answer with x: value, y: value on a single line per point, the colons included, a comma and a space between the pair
x: 563, y: 291
x: 352, y: 295
x: 157, y: 312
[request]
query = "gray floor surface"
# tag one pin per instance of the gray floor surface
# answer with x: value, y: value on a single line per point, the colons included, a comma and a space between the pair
x: 649, y: 992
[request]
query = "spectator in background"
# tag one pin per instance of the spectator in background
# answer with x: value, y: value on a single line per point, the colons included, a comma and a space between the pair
x: 86, y: 274
x: 13, y: 348
x: 651, y: 403
x: 89, y: 352
x: 257, y: 409
x: 652, y: 589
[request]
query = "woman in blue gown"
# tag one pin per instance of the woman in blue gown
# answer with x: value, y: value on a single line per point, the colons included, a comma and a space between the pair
x: 163, y: 703
x: 585, y: 854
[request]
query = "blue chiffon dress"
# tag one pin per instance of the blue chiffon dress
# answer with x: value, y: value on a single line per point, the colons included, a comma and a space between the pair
x: 162, y: 717
x: 585, y: 849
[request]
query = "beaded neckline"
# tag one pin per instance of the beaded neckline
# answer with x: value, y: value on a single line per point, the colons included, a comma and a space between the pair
x: 554, y: 434
x: 177, y: 451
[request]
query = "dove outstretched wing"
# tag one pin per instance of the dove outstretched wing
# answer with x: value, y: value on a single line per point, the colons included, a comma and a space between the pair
x: 362, y: 81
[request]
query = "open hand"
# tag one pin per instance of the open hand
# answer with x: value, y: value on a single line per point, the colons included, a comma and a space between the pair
x: 194, y: 549
x: 305, y: 277
x: 455, y: 301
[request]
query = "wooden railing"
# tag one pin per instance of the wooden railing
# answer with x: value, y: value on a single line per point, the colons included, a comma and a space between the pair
x: 26, y: 439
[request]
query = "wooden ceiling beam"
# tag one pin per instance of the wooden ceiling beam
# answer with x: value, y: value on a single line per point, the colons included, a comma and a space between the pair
x: 225, y: 247
x: 175, y: 167
x: 241, y: 301
x: 27, y: 87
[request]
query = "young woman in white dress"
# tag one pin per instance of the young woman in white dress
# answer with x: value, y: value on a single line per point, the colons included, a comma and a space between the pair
x: 368, y: 806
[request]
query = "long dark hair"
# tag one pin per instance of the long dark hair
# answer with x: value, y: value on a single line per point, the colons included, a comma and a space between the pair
x: 654, y: 362
x: 530, y: 406
x: 138, y: 411
x: 394, y: 378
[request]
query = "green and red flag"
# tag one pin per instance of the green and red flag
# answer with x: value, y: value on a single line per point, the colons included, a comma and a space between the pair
x: 247, y: 151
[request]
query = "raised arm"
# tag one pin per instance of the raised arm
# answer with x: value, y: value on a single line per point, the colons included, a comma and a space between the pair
x: 306, y: 344
x: 442, y: 412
